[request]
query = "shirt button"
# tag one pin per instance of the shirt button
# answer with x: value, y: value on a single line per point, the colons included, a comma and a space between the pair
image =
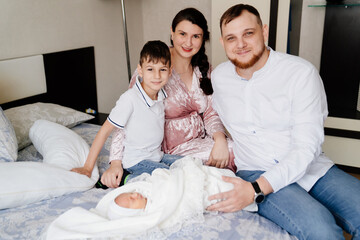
x: 254, y: 132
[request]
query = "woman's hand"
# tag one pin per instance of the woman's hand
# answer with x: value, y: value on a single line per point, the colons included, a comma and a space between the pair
x: 83, y: 171
x: 219, y: 156
x: 112, y: 176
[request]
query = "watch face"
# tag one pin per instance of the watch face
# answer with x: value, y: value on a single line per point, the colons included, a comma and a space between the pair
x: 259, y: 198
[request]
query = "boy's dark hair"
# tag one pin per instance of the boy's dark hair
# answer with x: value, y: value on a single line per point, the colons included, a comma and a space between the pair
x: 154, y: 51
x: 236, y: 11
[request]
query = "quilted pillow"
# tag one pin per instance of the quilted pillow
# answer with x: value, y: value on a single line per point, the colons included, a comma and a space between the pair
x: 23, y: 117
x: 8, y: 142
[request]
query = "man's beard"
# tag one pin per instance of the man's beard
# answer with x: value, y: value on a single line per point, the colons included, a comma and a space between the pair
x: 250, y: 63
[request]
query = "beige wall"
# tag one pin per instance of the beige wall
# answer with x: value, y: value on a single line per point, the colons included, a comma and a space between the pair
x: 30, y: 27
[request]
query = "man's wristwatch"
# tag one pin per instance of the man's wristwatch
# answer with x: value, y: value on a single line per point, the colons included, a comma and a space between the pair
x: 259, y: 195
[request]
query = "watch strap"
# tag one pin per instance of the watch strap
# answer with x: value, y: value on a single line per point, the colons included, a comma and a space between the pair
x: 256, y: 187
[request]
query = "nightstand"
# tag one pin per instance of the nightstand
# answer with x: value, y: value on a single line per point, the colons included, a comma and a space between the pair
x: 99, y: 119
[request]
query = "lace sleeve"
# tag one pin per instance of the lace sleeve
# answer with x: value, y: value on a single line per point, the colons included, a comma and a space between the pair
x: 117, y: 146
x: 212, y: 120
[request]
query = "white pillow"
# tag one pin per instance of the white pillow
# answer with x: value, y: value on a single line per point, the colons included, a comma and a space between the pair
x: 59, y: 145
x: 8, y: 142
x: 29, y: 182
x: 23, y: 117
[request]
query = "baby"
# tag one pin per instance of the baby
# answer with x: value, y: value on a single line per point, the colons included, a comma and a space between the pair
x: 132, y: 202
x: 126, y: 205
x: 159, y: 203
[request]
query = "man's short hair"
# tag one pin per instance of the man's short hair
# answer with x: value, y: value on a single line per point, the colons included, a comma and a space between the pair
x: 236, y: 11
x: 154, y: 51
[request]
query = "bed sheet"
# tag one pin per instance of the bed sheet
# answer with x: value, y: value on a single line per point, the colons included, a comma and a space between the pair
x: 30, y: 221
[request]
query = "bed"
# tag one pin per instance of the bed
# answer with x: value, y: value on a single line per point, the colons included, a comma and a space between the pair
x: 70, y: 83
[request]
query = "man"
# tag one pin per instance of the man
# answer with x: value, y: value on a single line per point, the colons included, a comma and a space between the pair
x: 274, y: 106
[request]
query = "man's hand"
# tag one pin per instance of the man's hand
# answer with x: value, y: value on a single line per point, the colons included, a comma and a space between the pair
x: 241, y: 196
x: 112, y: 176
x: 83, y: 171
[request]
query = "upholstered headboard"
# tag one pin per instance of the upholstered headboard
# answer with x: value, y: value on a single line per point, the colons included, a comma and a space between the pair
x: 70, y: 80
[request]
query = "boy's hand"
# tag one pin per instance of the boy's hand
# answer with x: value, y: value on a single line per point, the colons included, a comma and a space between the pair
x: 83, y: 171
x: 112, y: 176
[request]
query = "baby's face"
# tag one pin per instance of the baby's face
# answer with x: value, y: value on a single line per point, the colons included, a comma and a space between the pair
x: 132, y: 200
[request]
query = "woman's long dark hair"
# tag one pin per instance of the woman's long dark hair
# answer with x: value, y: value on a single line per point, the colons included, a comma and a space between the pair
x: 200, y: 59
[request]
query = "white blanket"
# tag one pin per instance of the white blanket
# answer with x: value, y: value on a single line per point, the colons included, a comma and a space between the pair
x: 175, y: 197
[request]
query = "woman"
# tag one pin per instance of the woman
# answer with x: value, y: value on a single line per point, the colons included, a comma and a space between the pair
x: 192, y: 127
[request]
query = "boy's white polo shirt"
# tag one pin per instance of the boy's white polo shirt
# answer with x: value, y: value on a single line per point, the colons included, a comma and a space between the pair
x: 143, y: 122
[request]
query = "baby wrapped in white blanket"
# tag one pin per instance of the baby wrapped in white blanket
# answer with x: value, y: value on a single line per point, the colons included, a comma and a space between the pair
x: 175, y: 197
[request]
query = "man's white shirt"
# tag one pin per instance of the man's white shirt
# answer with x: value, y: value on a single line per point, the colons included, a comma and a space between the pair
x: 275, y: 119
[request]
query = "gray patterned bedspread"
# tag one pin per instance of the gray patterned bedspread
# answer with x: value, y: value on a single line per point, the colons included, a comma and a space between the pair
x: 30, y: 221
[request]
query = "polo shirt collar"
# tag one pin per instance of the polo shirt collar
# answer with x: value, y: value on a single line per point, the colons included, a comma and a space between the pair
x: 148, y: 101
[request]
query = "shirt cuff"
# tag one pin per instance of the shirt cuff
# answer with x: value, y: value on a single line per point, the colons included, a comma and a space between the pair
x: 273, y: 179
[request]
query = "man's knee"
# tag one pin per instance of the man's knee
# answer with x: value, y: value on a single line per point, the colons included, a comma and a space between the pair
x: 320, y: 231
x: 303, y: 217
x: 320, y: 224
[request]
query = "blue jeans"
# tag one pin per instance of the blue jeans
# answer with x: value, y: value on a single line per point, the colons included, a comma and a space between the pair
x: 333, y: 203
x: 147, y: 166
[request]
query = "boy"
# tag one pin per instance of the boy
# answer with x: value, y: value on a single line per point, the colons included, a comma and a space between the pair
x: 140, y: 113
